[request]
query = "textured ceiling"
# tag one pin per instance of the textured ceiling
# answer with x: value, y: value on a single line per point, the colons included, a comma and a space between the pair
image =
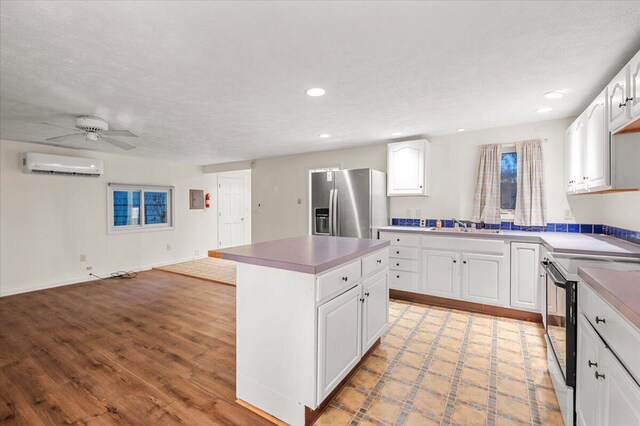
x: 208, y: 82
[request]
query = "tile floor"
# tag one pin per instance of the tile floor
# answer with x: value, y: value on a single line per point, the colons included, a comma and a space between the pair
x: 443, y: 366
x: 209, y: 268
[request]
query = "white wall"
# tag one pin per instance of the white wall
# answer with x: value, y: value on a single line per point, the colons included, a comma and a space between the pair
x: 621, y: 209
x: 47, y: 222
x: 280, y: 184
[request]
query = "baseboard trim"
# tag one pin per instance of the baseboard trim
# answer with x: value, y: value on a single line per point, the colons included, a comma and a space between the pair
x: 480, y: 308
x: 310, y: 416
x: 87, y: 277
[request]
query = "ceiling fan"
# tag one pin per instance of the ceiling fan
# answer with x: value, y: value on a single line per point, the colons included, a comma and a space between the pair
x: 95, y: 129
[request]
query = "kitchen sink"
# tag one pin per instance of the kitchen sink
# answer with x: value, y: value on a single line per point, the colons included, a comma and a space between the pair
x: 466, y: 230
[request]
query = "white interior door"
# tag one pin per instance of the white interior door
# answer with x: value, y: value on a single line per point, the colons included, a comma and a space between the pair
x: 231, y: 218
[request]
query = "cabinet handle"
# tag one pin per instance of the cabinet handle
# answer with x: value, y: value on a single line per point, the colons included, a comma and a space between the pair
x: 397, y: 252
x: 622, y: 104
x: 455, y: 261
x: 592, y: 364
x: 420, y: 186
x: 600, y: 376
x: 585, y: 177
x: 464, y: 261
x: 541, y: 275
x: 397, y: 264
x: 398, y: 239
x: 345, y: 279
x: 379, y: 260
x: 367, y: 294
x: 627, y: 100
x: 600, y: 320
x: 362, y: 299
x: 397, y: 276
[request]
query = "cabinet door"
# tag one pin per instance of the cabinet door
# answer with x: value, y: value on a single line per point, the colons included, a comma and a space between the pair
x: 568, y: 160
x: 339, y: 333
x: 620, y: 394
x: 617, y: 100
x: 406, y: 168
x: 483, y: 279
x: 440, y: 273
x: 634, y: 86
x: 524, y: 275
x: 376, y: 309
x: 588, y: 362
x: 597, y: 145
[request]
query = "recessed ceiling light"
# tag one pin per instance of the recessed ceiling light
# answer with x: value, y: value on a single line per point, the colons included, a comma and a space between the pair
x: 316, y: 91
x: 556, y: 94
x: 461, y: 130
x: 545, y: 109
x: 325, y: 135
x: 396, y: 134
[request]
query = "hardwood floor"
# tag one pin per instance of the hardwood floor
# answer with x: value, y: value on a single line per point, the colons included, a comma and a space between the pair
x: 157, y: 349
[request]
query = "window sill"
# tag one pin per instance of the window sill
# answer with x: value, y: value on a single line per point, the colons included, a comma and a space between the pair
x: 140, y: 230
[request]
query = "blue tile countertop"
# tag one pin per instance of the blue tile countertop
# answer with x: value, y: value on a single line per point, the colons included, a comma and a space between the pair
x: 557, y: 242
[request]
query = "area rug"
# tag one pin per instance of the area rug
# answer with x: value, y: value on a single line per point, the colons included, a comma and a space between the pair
x: 210, y: 269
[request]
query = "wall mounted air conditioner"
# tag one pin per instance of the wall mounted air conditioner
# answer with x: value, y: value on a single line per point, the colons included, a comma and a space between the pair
x: 61, y: 165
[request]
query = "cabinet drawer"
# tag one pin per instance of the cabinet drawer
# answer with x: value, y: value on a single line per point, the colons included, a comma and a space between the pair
x: 401, y: 239
x: 474, y: 245
x: 403, y: 265
x: 337, y: 280
x: 404, y: 253
x: 401, y: 280
x: 620, y: 336
x: 375, y: 262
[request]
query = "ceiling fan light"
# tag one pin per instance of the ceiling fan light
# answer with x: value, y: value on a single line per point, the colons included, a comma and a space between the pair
x: 91, y: 136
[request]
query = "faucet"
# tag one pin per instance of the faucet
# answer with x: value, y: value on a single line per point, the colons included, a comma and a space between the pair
x: 462, y: 223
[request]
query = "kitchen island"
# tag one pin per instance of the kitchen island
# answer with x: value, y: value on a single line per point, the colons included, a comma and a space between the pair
x: 308, y: 310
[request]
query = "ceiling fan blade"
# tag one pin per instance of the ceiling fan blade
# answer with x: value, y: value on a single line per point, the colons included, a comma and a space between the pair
x: 119, y: 144
x: 55, y: 125
x: 126, y: 133
x: 58, y: 138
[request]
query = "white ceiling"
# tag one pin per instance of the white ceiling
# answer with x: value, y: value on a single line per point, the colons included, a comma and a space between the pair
x: 208, y: 82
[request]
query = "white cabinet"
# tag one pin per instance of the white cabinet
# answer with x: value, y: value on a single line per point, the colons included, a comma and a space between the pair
x: 403, y: 260
x: 597, y: 145
x: 484, y: 279
x: 634, y: 87
x: 441, y: 273
x: 620, y: 393
x: 588, y: 361
x: 375, y: 309
x: 525, y: 276
x: 339, y: 334
x: 407, y: 168
x: 574, y: 156
x: 617, y: 100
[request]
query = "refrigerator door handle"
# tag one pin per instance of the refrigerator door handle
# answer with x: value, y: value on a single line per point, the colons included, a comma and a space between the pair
x: 331, y: 212
x: 336, y: 224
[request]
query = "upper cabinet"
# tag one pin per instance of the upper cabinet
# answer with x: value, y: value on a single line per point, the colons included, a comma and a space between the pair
x: 623, y: 100
x: 598, y: 147
x: 407, y: 168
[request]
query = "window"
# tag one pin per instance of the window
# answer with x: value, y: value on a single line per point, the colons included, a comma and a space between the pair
x: 508, y: 184
x: 135, y: 208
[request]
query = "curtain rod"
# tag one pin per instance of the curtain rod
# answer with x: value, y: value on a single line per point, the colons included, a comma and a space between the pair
x: 509, y: 144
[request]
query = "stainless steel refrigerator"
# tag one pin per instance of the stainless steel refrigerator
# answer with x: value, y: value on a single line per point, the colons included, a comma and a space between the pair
x: 348, y: 203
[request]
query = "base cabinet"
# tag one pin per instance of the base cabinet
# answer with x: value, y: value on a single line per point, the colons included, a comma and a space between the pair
x: 525, y: 276
x: 484, y: 279
x: 375, y: 309
x: 339, y: 339
x: 441, y: 273
x: 621, y: 394
x: 588, y: 361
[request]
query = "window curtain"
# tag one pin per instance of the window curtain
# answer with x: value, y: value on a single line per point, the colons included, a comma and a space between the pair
x: 531, y: 208
x: 486, y: 200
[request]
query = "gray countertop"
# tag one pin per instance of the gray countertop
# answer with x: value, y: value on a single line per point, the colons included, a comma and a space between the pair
x: 557, y: 242
x: 308, y: 254
x: 620, y: 288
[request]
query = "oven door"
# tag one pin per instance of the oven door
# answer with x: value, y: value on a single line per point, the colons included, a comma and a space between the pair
x: 561, y: 320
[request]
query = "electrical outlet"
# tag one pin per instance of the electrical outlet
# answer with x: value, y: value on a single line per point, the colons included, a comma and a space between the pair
x: 168, y: 246
x: 423, y: 222
x: 83, y: 258
x: 197, y: 252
